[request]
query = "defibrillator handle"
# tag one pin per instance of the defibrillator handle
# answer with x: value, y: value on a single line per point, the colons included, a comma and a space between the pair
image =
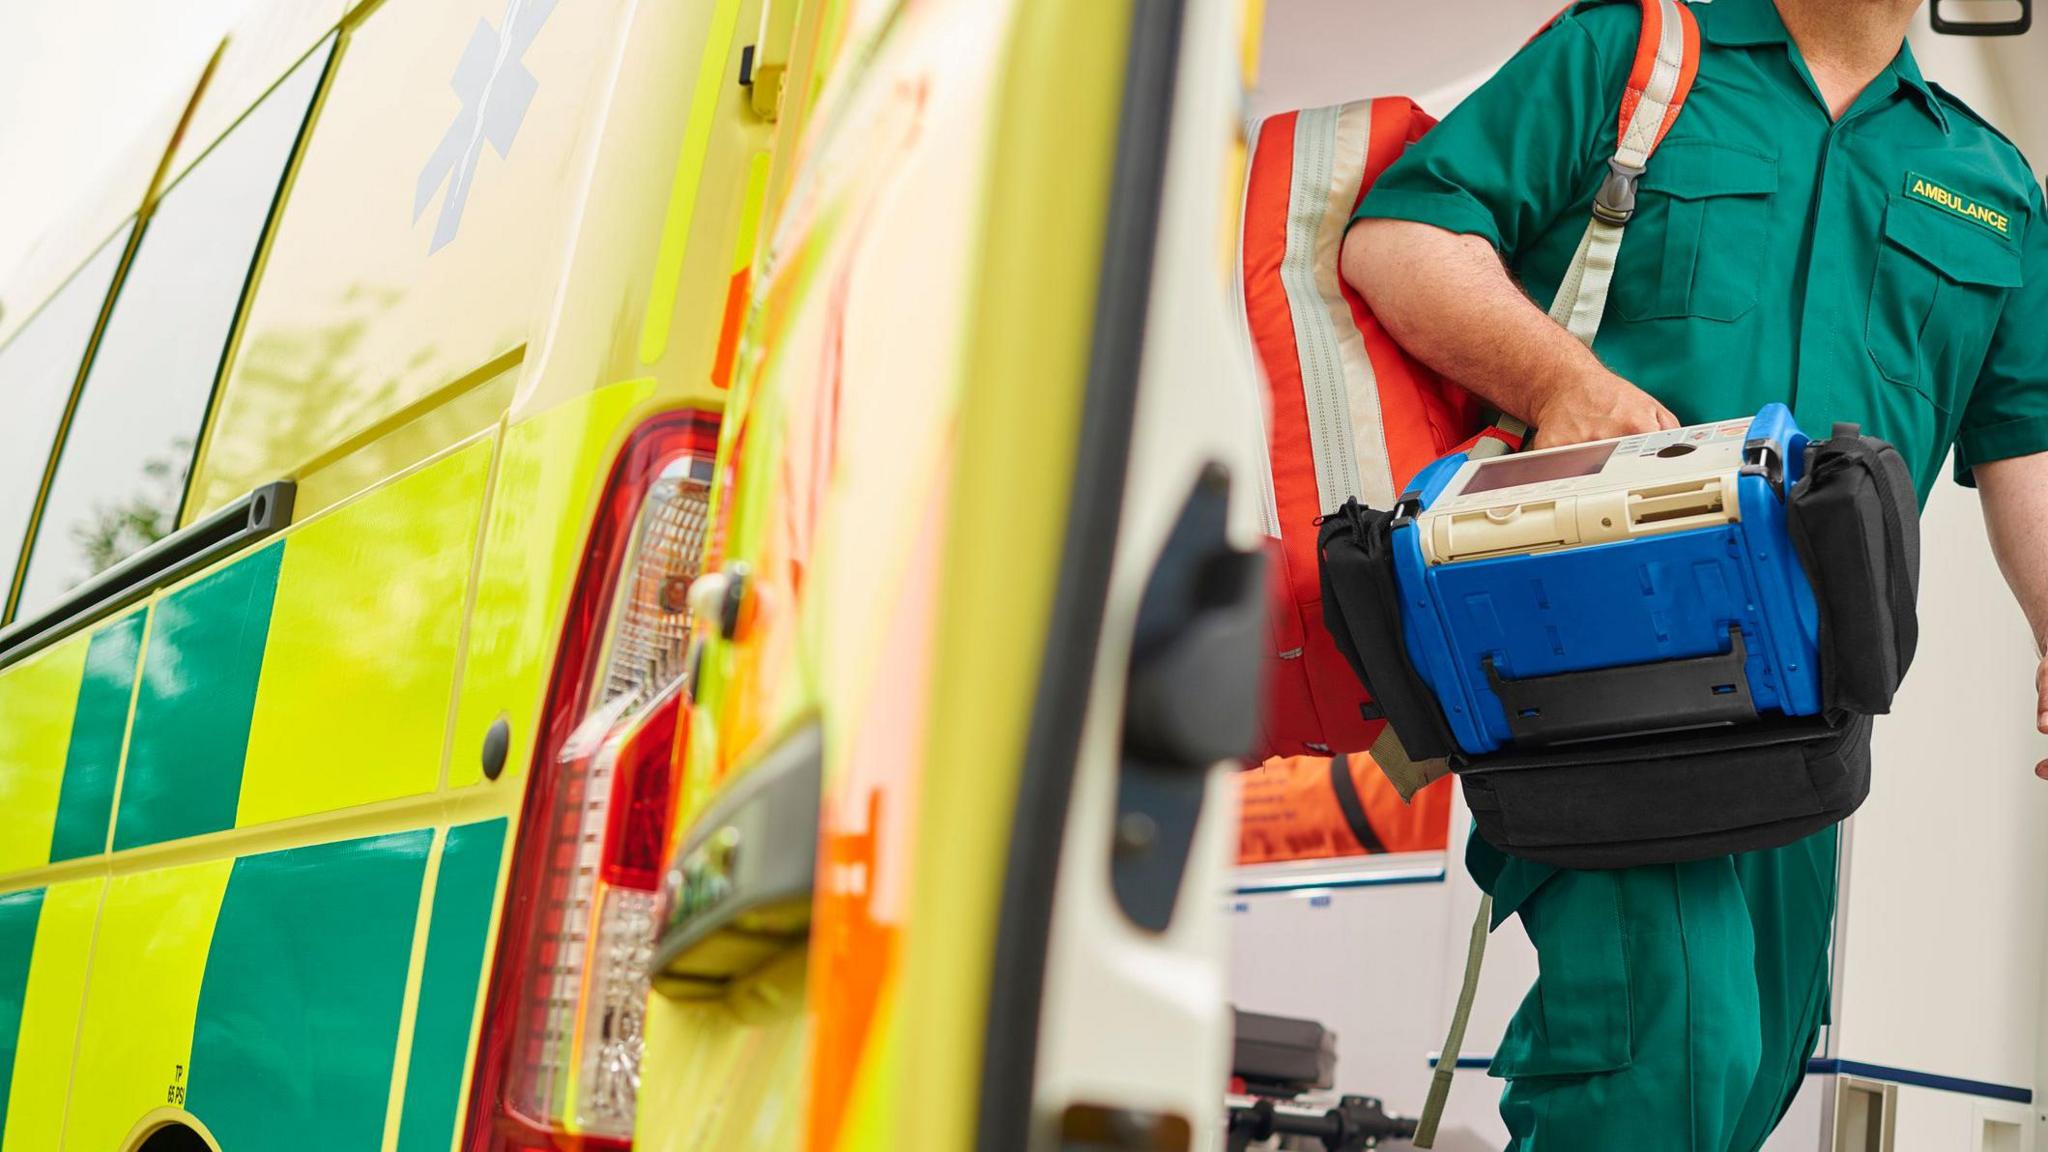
x: 1760, y: 457
x: 2013, y: 27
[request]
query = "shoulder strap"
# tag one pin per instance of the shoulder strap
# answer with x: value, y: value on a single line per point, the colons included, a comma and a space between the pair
x: 1667, y: 60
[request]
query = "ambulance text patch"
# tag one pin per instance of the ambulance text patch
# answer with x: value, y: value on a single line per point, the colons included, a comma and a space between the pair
x: 1921, y: 188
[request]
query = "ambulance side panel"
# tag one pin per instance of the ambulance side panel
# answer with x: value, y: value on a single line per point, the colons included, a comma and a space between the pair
x: 251, y: 865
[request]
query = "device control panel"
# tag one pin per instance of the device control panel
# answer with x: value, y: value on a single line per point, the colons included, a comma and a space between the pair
x: 1581, y: 494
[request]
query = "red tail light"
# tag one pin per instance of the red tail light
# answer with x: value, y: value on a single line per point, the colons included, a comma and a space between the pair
x: 558, y: 1063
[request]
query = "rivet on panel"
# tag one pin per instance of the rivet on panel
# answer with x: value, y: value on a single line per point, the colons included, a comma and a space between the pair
x: 497, y: 743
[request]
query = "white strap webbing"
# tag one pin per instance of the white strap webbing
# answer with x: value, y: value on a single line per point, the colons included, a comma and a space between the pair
x: 1582, y: 298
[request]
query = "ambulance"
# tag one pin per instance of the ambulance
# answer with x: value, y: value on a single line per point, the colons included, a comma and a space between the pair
x: 367, y: 433
x: 587, y: 574
x: 952, y: 840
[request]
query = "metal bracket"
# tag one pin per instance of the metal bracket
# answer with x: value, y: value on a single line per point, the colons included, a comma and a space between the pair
x: 1629, y: 699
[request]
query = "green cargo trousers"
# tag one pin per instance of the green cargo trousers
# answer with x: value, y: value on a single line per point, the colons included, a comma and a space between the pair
x: 1675, y: 1006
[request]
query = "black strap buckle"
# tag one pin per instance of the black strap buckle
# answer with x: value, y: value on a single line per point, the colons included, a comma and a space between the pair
x: 1615, y: 203
x: 1760, y: 457
x: 1406, y: 509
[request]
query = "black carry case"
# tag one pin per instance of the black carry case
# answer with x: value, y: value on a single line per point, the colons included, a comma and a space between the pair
x: 1855, y: 521
x: 1281, y: 1055
x: 1671, y: 796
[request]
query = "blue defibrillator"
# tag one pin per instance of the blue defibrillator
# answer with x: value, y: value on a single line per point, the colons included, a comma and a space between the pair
x: 1627, y: 586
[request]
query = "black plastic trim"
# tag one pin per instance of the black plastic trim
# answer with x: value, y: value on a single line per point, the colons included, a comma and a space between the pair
x: 257, y: 516
x: 1949, y: 27
x: 1760, y: 457
x: 755, y: 847
x: 1628, y: 699
x: 1109, y: 410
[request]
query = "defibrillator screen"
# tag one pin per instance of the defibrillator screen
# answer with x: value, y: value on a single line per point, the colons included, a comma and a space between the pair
x: 1509, y: 471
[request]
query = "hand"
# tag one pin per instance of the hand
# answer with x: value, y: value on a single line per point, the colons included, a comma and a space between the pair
x: 1600, y: 408
x: 2041, y: 709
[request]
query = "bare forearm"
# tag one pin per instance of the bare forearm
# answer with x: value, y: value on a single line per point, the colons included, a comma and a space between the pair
x: 1451, y: 304
x: 2015, y: 498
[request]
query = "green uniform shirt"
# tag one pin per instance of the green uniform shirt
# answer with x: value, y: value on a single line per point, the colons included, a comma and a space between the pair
x: 1889, y: 268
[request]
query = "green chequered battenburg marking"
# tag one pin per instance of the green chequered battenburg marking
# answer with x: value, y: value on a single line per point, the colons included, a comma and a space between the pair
x: 297, y: 1026
x: 98, y: 724
x: 448, y: 984
x: 19, y: 912
x: 191, y: 726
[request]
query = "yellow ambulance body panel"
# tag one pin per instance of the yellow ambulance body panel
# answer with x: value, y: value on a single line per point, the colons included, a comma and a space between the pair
x: 361, y: 696
x: 902, y: 458
x: 255, y: 824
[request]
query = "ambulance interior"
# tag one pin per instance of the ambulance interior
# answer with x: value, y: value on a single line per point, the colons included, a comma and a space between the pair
x: 1939, y: 1032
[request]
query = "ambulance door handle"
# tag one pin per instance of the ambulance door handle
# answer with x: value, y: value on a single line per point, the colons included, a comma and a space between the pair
x: 737, y: 894
x: 1191, y: 698
x: 1193, y: 687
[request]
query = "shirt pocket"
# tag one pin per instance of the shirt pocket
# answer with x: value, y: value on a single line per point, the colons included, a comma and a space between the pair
x: 1694, y: 248
x: 1937, y: 289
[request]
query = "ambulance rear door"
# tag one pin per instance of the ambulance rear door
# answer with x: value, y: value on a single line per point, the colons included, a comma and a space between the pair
x: 982, y: 604
x: 1107, y: 1024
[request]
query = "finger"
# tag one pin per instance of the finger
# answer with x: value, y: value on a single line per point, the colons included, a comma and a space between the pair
x: 2041, y: 769
x: 2041, y: 696
x: 1665, y: 420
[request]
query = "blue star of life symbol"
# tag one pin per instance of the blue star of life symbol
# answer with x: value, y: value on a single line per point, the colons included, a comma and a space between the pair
x: 495, y: 88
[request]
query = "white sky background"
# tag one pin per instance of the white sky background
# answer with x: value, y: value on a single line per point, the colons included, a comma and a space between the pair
x: 78, y: 80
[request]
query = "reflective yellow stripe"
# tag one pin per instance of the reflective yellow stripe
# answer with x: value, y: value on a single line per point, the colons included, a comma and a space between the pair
x: 1029, y: 320
x: 37, y: 698
x: 682, y: 197
x: 750, y: 212
x: 358, y: 674
x: 540, y: 512
x: 135, y: 1038
x: 49, y: 1017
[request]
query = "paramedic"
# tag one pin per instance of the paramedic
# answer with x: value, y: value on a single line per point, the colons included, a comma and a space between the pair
x: 1822, y: 227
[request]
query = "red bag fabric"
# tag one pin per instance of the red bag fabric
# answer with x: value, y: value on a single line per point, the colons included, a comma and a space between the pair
x: 1347, y: 410
x: 1341, y: 396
